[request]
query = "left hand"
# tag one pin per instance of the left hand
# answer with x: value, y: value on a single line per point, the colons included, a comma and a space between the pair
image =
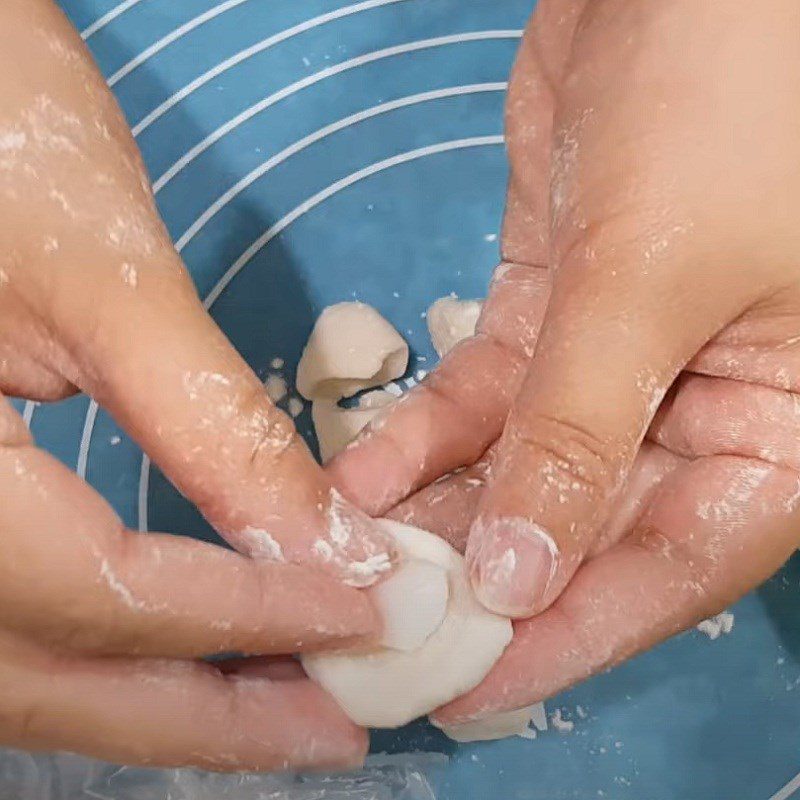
x: 93, y: 297
x: 101, y: 630
x: 647, y: 386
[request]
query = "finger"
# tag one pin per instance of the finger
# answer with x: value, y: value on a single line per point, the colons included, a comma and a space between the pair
x: 717, y: 528
x: 761, y: 348
x: 447, y: 507
x: 450, y: 419
x: 652, y: 466
x: 213, y: 430
x: 23, y: 377
x: 13, y: 430
x: 140, y: 341
x: 705, y: 416
x: 609, y: 349
x: 71, y: 576
x: 170, y: 713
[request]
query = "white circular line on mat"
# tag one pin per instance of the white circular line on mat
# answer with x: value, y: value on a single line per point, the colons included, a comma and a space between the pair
x: 144, y: 492
x: 27, y: 412
x: 249, y: 52
x: 789, y: 790
x: 283, y: 223
x: 287, y: 91
x: 334, y: 188
x: 322, y: 133
x: 171, y: 37
x: 108, y: 17
x: 262, y: 169
x: 86, y: 439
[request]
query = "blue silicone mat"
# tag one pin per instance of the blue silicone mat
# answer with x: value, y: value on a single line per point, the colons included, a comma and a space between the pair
x: 310, y: 151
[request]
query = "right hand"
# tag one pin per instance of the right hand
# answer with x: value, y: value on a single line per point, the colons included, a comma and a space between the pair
x: 100, y: 629
x: 636, y: 370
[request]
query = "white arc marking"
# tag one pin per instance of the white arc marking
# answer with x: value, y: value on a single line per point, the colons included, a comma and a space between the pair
x: 171, y: 37
x: 108, y: 17
x: 262, y: 169
x: 788, y: 790
x: 249, y: 52
x: 287, y: 91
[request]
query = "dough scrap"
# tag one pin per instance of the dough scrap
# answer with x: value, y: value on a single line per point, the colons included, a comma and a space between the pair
x: 388, y: 688
x: 498, y: 726
x: 336, y: 427
x: 352, y: 347
x: 276, y: 388
x: 295, y: 407
x: 450, y: 321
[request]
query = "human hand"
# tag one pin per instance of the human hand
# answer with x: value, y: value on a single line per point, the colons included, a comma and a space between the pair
x: 638, y: 350
x: 97, y: 626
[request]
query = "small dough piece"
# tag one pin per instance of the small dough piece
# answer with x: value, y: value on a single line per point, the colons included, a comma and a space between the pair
x: 352, y: 347
x: 388, y: 688
x: 336, y: 427
x: 412, y: 602
x: 450, y: 321
x: 498, y: 726
x: 276, y: 388
x: 295, y: 407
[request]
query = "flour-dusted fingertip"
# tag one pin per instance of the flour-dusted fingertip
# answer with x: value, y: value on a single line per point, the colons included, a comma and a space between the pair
x: 359, y: 547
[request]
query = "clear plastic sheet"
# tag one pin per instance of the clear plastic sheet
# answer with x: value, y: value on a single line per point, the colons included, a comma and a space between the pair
x: 25, y: 776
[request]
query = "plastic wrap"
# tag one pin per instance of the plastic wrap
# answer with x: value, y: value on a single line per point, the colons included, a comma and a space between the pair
x: 25, y: 776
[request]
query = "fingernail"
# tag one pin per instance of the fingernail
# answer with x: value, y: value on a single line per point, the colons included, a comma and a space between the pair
x: 513, y: 564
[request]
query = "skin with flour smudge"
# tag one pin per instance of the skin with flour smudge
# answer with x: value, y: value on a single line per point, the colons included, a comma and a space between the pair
x: 99, y: 629
x: 630, y: 404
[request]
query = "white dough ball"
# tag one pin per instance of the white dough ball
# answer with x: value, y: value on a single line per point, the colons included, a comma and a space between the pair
x: 352, y: 347
x: 387, y: 688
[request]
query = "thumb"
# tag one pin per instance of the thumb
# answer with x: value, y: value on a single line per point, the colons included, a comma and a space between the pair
x: 162, y: 367
x: 610, y: 347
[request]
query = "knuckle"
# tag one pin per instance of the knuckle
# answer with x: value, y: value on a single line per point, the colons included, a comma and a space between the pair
x: 71, y: 625
x: 13, y: 430
x: 98, y: 620
x: 71, y: 633
x: 477, y: 424
x: 262, y: 590
x: 24, y: 715
x: 87, y: 626
x: 259, y: 440
x: 27, y: 720
x: 271, y: 432
x: 572, y: 457
x: 691, y: 569
x: 512, y: 344
x: 235, y: 731
x: 589, y: 247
